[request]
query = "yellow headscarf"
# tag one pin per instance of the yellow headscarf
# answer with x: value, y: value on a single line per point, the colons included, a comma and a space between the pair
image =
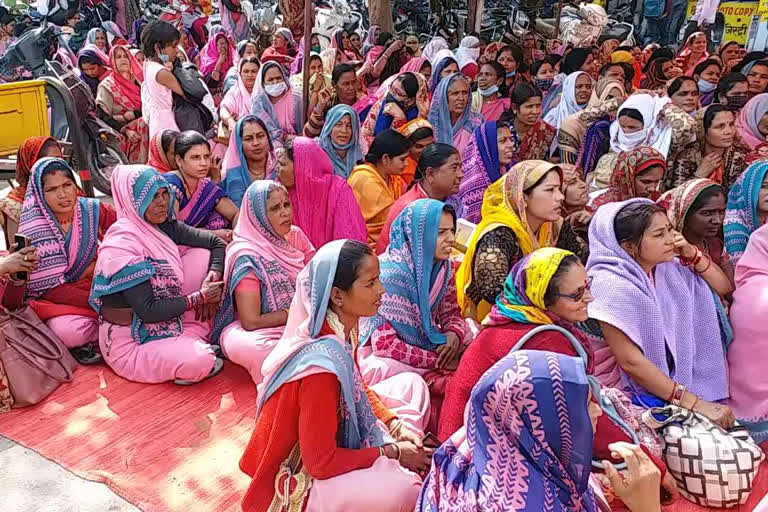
x: 522, y: 298
x: 621, y: 56
x: 504, y: 205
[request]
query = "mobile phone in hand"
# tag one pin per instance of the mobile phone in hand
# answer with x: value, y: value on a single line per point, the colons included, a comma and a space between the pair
x: 431, y: 441
x: 20, y: 241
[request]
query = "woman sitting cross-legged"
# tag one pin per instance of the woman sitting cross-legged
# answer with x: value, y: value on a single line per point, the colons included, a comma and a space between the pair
x: 318, y: 441
x: 66, y: 229
x: 656, y: 298
x: 526, y: 445
x: 151, y: 295
x: 419, y: 326
x: 199, y: 202
x: 262, y: 263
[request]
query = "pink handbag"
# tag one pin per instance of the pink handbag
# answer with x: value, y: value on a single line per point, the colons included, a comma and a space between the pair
x: 34, y: 361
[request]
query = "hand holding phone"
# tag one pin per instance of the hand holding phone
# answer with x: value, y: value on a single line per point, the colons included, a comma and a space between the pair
x: 22, y: 260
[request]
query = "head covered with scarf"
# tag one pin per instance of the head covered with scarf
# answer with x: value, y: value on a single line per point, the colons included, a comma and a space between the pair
x: 135, y: 251
x: 125, y: 91
x: 89, y: 56
x: 304, y: 351
x: 568, y: 104
x: 444, y: 59
x: 238, y: 100
x: 522, y: 298
x: 678, y: 201
x: 258, y: 250
x: 236, y: 174
x: 656, y: 132
x: 63, y: 256
x: 481, y: 166
x: 526, y: 441
x: 413, y: 280
x: 440, y: 114
x: 341, y: 166
x: 629, y: 166
x: 324, y: 206
x: 504, y: 204
x: 749, y: 119
x: 741, y: 214
x: 281, y: 118
x: 27, y: 156
x: 654, y: 74
x: 677, y: 314
x: 209, y: 55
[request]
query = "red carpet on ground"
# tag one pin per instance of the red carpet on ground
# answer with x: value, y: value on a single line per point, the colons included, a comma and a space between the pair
x: 164, y: 448
x: 168, y: 448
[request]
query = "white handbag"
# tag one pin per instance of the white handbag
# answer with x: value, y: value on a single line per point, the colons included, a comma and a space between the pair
x: 713, y: 467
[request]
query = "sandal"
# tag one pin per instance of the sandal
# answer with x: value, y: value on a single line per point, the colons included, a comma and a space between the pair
x: 87, y: 354
x: 218, y: 365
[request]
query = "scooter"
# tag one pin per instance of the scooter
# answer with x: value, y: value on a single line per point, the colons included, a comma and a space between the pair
x: 74, y: 117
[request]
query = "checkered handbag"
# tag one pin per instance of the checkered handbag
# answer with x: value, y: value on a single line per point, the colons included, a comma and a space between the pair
x: 713, y: 467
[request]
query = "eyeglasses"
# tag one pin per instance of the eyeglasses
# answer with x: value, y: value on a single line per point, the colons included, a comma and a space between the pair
x: 576, y: 297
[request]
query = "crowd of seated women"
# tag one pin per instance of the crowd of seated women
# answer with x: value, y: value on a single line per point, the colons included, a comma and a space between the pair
x: 375, y: 264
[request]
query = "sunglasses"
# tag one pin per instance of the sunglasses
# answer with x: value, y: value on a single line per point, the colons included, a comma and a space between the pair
x: 576, y: 297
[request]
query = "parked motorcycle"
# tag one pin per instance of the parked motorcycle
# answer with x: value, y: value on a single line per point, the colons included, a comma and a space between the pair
x: 73, y: 110
x: 331, y: 15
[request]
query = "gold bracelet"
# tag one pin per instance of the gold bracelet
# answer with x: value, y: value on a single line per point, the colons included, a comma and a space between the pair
x: 381, y: 451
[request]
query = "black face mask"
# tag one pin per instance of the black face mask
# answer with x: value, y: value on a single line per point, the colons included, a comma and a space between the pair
x: 737, y: 102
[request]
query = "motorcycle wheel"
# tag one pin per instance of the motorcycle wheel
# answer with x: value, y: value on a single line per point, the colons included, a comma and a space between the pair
x: 103, y: 157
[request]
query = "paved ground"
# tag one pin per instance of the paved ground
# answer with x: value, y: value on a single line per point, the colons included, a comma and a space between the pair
x: 32, y: 483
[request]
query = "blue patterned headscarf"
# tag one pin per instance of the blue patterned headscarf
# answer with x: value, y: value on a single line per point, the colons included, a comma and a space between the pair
x: 238, y: 177
x: 741, y: 214
x: 341, y: 167
x: 440, y: 115
x: 63, y: 256
x: 408, y: 272
x: 300, y: 349
x: 135, y: 251
x: 436, y: 79
x: 527, y: 441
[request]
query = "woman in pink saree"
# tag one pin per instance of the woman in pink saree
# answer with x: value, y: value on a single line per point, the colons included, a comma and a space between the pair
x: 153, y: 298
x: 748, y: 384
x: 261, y: 267
x: 324, y: 206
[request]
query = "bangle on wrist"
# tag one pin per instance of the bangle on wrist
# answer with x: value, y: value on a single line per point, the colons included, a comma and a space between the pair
x: 397, y: 449
x: 672, y: 394
x: 709, y: 264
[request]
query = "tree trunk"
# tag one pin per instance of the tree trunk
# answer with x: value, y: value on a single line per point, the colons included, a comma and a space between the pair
x: 474, y: 15
x: 380, y: 13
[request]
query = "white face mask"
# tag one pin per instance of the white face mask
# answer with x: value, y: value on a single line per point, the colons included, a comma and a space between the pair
x: 474, y: 53
x: 631, y: 141
x: 275, y: 90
